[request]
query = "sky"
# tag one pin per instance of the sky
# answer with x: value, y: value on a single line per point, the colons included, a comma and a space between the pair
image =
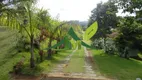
x: 66, y: 10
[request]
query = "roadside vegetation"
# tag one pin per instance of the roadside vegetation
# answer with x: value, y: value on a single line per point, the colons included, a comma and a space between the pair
x: 31, y: 41
x: 118, y: 41
x: 10, y: 57
x: 26, y: 35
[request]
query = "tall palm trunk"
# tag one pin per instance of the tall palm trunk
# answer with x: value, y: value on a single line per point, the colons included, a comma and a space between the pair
x: 49, y: 52
x: 32, y: 62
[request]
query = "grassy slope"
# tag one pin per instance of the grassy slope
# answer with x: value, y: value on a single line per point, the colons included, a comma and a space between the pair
x: 76, y: 63
x: 9, y: 56
x: 116, y: 67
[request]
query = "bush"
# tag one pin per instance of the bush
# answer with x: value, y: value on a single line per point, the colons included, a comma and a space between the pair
x: 22, y: 44
x: 110, y: 47
x: 98, y: 43
x: 107, y: 44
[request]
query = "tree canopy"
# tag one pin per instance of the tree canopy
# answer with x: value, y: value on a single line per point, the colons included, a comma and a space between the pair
x: 105, y: 15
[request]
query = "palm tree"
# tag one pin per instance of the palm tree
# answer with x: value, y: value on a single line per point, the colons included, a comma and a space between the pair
x: 30, y: 27
x: 47, y: 26
x: 55, y: 35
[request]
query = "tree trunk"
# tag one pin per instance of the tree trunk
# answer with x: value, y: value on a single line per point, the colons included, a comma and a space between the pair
x: 32, y: 62
x: 126, y: 53
x: 58, y: 46
x: 57, y: 43
x: 49, y: 52
x: 105, y: 45
x: 8, y: 19
x: 41, y: 55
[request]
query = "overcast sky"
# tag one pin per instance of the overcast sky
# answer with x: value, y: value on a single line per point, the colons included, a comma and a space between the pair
x: 70, y: 9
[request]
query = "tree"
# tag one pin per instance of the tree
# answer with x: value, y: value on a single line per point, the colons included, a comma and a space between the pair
x: 49, y: 27
x: 14, y: 8
x: 130, y: 37
x: 7, y: 10
x: 105, y: 15
x: 55, y: 32
x: 11, y: 10
x: 132, y: 6
x: 130, y: 28
x: 29, y: 26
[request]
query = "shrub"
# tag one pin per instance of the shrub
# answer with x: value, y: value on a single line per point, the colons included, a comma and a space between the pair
x: 110, y: 47
x: 107, y: 44
x: 22, y: 44
x: 98, y: 43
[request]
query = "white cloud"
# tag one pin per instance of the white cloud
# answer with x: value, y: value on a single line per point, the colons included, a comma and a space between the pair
x: 69, y: 9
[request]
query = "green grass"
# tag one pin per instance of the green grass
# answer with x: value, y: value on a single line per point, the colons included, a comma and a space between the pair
x: 9, y: 56
x: 48, y: 65
x: 45, y: 66
x: 76, y: 63
x: 116, y: 67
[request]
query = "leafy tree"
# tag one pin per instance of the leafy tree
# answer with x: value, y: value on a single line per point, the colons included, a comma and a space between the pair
x: 130, y: 28
x: 132, y: 6
x: 11, y: 10
x: 29, y: 25
x: 50, y: 28
x: 105, y: 15
x: 53, y: 31
x: 130, y: 37
x: 6, y: 10
x: 21, y: 11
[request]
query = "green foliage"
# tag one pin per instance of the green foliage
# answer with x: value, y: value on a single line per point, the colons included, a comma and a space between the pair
x: 130, y: 35
x: 9, y: 57
x: 132, y: 6
x: 43, y: 18
x: 110, y: 46
x: 23, y: 43
x: 8, y: 53
x: 11, y: 12
x: 105, y: 15
x: 98, y: 43
x: 107, y: 45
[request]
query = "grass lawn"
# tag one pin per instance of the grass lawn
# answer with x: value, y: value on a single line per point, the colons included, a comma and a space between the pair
x: 116, y: 67
x: 76, y: 64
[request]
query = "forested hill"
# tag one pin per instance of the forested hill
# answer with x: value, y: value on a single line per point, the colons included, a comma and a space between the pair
x: 83, y: 24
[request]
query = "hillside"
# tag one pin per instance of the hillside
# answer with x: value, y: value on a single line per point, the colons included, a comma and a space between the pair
x: 8, y: 53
